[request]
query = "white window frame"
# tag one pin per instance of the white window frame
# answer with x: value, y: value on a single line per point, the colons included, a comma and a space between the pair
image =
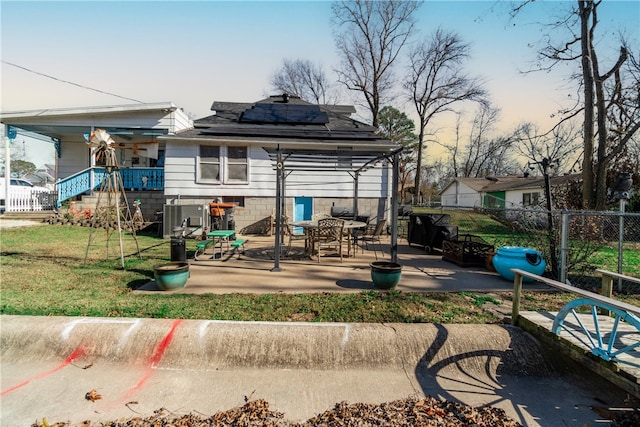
x: 228, y: 162
x: 199, y: 162
x: 223, y: 163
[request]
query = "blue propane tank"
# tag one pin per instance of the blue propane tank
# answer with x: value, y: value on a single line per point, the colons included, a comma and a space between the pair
x: 527, y: 259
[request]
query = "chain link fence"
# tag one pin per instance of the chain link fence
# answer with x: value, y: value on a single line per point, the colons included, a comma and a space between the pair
x: 573, y: 243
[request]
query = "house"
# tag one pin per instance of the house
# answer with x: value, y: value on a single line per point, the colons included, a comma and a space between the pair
x: 310, y: 157
x: 501, y: 192
x: 277, y: 154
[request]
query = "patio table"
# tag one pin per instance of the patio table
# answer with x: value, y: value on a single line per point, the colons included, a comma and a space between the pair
x: 222, y: 237
x: 349, y: 225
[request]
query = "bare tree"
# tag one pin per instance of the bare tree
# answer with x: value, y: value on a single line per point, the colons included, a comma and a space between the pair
x: 436, y: 81
x: 601, y: 93
x: 561, y: 145
x: 369, y: 36
x: 484, y: 153
x: 487, y: 154
x: 305, y: 79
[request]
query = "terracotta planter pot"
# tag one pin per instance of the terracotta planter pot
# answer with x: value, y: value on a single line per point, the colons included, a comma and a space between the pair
x: 489, y: 262
x: 385, y: 275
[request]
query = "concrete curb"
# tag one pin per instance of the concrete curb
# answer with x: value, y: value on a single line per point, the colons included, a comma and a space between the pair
x: 195, y: 344
x: 49, y: 364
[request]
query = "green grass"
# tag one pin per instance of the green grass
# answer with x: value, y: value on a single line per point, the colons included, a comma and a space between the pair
x: 43, y: 273
x: 607, y: 259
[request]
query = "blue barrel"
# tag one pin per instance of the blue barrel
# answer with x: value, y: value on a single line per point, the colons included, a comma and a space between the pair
x: 527, y: 259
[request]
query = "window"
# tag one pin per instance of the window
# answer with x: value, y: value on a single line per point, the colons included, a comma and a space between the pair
x: 237, y: 165
x: 530, y: 199
x: 229, y: 165
x: 209, y: 164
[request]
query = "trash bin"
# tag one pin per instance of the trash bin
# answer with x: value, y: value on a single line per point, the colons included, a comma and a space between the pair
x: 178, y: 249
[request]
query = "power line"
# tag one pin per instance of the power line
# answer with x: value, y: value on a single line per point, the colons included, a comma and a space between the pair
x: 70, y: 83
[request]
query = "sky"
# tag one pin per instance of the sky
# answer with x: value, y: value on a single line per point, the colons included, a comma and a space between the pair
x: 95, y: 53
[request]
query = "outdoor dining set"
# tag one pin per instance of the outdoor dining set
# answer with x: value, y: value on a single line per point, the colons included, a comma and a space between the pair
x: 327, y: 232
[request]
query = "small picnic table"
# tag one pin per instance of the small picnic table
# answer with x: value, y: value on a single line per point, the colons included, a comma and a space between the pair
x: 221, y: 237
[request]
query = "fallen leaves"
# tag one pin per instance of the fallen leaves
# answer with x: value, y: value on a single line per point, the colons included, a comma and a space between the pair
x: 93, y: 396
x: 409, y: 412
x: 398, y: 413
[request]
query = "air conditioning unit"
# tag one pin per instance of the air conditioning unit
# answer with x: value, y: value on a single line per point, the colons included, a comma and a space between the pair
x: 194, y: 216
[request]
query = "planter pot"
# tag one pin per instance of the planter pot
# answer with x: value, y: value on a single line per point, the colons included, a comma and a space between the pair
x: 385, y: 275
x: 171, y: 276
x: 489, y: 263
x: 527, y: 259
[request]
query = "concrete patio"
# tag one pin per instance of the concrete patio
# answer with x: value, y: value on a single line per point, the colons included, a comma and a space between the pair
x: 253, y: 271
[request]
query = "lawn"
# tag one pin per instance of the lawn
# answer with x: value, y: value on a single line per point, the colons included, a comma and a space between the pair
x: 44, y: 273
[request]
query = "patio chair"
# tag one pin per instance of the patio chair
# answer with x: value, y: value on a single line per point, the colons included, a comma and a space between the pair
x: 357, y: 233
x: 294, y: 235
x: 318, y: 216
x: 329, y: 234
x: 374, y: 237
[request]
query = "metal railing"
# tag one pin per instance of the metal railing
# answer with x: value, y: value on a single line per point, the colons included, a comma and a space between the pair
x: 91, y: 178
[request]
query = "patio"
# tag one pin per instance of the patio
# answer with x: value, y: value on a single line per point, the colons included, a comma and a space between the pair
x: 252, y: 272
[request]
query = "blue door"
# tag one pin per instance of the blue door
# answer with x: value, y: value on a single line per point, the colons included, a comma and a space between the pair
x: 302, y: 208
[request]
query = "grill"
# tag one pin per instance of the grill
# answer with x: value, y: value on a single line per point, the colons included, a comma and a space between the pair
x: 341, y: 212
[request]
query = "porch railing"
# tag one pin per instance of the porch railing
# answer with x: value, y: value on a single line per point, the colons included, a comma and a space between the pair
x: 91, y: 179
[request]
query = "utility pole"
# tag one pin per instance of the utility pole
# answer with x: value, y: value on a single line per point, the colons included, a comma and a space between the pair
x: 545, y: 164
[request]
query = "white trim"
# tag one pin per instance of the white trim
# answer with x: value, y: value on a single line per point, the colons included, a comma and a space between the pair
x: 169, y: 106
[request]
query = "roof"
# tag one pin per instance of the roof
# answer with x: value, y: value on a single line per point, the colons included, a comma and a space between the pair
x: 300, y: 131
x: 508, y: 183
x: 169, y: 106
x: 54, y: 122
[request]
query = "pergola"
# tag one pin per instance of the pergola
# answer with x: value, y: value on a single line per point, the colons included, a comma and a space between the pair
x: 331, y: 160
x: 300, y: 136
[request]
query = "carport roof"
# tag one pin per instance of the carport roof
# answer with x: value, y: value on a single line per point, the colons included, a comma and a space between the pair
x: 56, y: 122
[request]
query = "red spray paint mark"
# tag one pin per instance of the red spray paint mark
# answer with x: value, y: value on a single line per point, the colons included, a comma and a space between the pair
x: 78, y: 352
x: 154, y: 359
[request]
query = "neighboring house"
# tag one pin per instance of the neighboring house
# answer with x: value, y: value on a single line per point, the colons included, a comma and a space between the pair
x: 44, y: 176
x: 499, y: 192
x: 280, y: 152
x: 135, y: 130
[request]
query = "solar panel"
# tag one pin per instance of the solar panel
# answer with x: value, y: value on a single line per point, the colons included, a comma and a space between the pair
x: 284, y: 114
